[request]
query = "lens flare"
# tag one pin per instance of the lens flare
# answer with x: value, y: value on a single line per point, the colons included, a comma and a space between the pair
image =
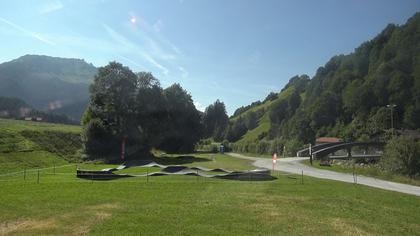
x: 133, y: 20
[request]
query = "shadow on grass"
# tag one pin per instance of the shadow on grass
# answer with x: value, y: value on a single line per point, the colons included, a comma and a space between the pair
x: 166, y: 160
x: 178, y: 160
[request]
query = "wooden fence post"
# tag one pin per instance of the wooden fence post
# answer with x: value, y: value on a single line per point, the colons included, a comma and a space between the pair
x: 302, y: 177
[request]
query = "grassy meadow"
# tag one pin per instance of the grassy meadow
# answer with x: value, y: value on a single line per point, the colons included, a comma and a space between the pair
x: 61, y: 204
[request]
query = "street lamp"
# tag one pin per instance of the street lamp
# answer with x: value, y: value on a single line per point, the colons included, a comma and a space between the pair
x: 392, y: 115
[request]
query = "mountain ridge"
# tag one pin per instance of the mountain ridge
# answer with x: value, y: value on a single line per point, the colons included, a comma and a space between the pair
x: 48, y: 83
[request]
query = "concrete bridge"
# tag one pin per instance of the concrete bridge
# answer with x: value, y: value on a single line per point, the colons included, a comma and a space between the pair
x: 322, y: 150
x: 306, y: 152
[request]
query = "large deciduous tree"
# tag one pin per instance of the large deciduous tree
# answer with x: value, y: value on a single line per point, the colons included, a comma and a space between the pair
x: 134, y: 108
x: 215, y: 120
x: 111, y: 110
x: 184, y: 128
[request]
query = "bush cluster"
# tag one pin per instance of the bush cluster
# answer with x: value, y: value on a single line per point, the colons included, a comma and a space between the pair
x: 402, y: 156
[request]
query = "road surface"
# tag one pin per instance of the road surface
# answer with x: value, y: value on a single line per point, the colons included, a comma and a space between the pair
x: 293, y: 165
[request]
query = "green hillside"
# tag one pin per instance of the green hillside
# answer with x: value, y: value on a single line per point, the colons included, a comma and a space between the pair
x: 27, y: 144
x: 263, y: 124
x: 347, y: 97
x: 259, y: 137
x: 48, y: 83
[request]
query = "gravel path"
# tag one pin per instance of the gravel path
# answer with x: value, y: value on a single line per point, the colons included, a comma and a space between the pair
x: 293, y: 165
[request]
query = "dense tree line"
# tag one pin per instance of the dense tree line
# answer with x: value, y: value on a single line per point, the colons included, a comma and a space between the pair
x: 347, y: 98
x: 134, y: 108
x: 243, y: 109
x: 218, y: 127
x: 354, y: 90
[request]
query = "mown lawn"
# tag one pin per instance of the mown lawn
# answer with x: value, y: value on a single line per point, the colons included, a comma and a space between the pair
x: 61, y: 204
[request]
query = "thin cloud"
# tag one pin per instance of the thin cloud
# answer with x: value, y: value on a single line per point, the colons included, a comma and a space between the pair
x: 172, y: 46
x: 157, y: 26
x: 165, y: 71
x: 28, y: 32
x: 118, y: 37
x: 129, y: 45
x: 51, y: 7
x: 184, y: 72
x: 157, y: 50
x: 152, y: 33
x: 129, y: 60
x: 158, y: 47
x: 79, y: 41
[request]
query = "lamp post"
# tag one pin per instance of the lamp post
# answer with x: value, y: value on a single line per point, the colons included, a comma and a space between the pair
x: 392, y: 116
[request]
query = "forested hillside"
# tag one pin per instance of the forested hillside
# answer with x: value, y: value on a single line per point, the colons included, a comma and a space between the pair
x: 48, y: 83
x: 16, y: 108
x: 347, y: 97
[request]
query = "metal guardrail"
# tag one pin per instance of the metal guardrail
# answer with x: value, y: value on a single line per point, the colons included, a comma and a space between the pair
x: 325, y: 151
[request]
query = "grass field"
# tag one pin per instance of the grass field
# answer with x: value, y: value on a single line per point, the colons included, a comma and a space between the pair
x: 186, y: 205
x: 370, y: 171
x: 27, y: 144
x: 61, y: 204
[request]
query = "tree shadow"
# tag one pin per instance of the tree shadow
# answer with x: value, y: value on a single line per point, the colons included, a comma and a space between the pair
x: 164, y: 160
x: 178, y: 160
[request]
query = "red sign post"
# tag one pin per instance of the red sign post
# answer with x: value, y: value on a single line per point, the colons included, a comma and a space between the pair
x: 123, y: 148
x: 274, y: 160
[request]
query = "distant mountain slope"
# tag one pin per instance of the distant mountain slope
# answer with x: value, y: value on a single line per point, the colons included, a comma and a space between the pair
x: 347, y: 97
x: 16, y: 108
x: 255, y: 122
x: 48, y: 83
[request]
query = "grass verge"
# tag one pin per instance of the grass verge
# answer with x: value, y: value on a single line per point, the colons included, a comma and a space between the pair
x: 368, y: 170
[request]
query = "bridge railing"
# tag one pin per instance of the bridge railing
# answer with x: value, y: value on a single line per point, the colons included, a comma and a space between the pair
x: 328, y: 150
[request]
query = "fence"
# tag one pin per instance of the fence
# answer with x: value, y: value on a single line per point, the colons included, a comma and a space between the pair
x: 62, y: 173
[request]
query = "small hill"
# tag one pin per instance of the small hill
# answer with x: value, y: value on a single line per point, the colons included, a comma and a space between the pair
x: 27, y: 144
x: 53, y: 84
x: 346, y: 98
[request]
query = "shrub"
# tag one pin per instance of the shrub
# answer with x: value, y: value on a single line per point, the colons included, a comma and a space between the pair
x: 276, y: 146
x: 402, y: 156
x: 263, y: 147
x: 226, y: 144
x: 292, y: 146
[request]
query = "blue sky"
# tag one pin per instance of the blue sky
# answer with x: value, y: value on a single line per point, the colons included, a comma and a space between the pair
x: 233, y: 50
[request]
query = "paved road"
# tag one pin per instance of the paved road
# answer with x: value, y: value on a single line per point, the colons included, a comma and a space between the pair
x: 293, y: 165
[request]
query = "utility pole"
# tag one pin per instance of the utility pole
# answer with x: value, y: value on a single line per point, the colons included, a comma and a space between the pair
x: 392, y: 116
x: 310, y: 153
x: 284, y: 151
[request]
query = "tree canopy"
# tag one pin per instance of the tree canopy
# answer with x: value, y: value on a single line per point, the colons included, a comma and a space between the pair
x: 215, y: 121
x: 134, y: 107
